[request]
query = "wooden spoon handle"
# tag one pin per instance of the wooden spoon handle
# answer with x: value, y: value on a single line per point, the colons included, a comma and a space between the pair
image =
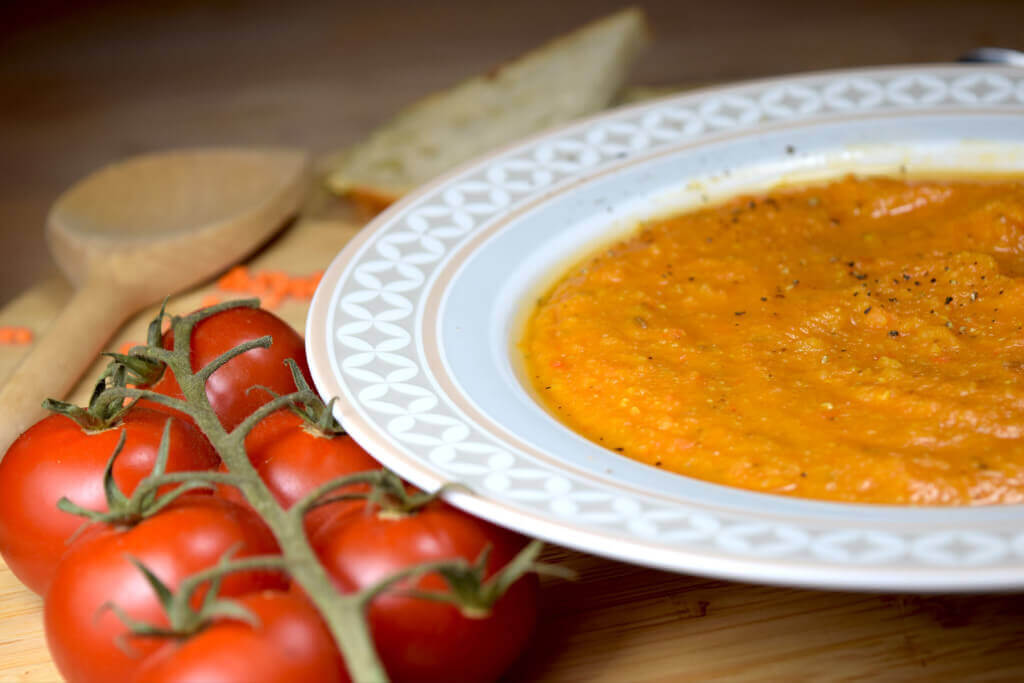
x: 56, y: 361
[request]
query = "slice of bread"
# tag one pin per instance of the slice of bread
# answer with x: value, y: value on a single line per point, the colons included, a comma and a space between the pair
x: 572, y: 76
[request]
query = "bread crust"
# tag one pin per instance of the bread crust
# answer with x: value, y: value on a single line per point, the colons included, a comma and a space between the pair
x: 577, y: 74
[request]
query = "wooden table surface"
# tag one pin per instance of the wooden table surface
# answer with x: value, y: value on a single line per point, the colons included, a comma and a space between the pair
x: 85, y: 83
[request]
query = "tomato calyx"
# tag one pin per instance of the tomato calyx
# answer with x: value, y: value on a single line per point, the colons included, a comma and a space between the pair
x: 105, y: 407
x: 145, y: 501
x: 385, y: 491
x: 474, y: 594
x: 183, y: 618
x: 394, y: 499
x: 143, y: 369
x: 315, y: 414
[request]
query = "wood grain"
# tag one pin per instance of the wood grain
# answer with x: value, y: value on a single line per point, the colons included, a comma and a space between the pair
x: 620, y: 622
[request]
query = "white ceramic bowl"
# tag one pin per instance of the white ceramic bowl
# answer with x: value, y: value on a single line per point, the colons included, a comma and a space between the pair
x: 415, y: 324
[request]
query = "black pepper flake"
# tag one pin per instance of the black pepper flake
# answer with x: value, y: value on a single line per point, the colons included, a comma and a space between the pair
x: 738, y: 313
x: 867, y: 310
x: 764, y: 298
x: 932, y: 280
x: 905, y: 276
x: 859, y: 276
x: 949, y: 300
x: 974, y: 296
x: 894, y: 333
x: 916, y: 283
x: 803, y: 474
x: 790, y: 149
x: 619, y: 449
x: 547, y: 387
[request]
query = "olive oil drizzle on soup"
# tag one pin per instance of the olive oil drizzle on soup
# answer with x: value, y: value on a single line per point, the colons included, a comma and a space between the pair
x: 861, y: 341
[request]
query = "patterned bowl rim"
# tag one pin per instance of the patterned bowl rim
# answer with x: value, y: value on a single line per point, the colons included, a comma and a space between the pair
x: 396, y: 399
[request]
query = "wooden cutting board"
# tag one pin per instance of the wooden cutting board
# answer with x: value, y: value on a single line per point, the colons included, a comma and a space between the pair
x: 618, y: 622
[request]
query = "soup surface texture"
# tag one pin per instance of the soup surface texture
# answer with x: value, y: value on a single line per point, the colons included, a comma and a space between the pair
x: 860, y: 341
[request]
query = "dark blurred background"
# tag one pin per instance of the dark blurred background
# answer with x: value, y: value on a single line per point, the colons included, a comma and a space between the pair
x: 83, y: 83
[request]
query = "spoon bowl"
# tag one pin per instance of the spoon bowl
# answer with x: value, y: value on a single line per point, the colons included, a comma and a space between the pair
x: 136, y: 231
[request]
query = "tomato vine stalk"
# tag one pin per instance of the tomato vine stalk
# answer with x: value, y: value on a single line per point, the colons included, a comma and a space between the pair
x: 343, y: 614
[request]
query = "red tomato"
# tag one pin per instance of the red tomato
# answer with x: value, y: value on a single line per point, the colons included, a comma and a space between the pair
x: 291, y: 643
x: 56, y: 458
x: 191, y: 534
x: 425, y: 640
x: 226, y: 388
x: 293, y: 457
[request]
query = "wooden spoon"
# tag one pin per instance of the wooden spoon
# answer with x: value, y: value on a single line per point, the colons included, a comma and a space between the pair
x: 137, y: 231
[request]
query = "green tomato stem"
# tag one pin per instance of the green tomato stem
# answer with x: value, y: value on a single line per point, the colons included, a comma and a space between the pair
x: 344, y: 615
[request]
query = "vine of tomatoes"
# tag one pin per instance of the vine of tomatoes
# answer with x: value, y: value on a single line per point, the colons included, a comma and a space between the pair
x: 233, y: 531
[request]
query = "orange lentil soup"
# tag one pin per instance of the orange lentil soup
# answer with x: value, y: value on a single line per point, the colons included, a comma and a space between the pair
x: 860, y: 341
